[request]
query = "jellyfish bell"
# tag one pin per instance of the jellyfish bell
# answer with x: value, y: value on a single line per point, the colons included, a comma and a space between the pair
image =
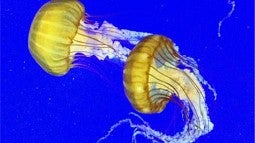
x: 60, y: 30
x: 51, y: 35
x: 138, y: 87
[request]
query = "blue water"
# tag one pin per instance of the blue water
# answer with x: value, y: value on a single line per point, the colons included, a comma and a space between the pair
x: 81, y: 106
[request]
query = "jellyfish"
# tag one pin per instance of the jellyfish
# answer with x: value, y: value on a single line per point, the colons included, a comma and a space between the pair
x: 154, y: 73
x: 60, y: 30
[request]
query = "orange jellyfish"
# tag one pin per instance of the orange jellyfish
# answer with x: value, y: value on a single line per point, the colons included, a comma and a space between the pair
x: 153, y: 74
x: 60, y: 30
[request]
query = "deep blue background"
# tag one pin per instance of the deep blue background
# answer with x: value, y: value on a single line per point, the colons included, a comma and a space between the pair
x: 82, y: 105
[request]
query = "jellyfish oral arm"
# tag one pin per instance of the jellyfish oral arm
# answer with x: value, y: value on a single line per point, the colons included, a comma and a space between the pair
x: 134, y: 37
x: 112, y: 32
x: 104, y: 41
x: 196, y: 99
x: 188, y: 89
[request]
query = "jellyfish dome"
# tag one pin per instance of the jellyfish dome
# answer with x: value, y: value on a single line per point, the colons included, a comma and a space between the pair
x: 52, y: 32
x: 60, y: 30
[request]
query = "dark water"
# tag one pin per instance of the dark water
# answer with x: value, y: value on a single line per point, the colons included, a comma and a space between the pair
x: 82, y: 105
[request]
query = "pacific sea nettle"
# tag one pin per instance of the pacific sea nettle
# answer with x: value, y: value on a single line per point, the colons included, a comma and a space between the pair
x: 155, y: 72
x: 60, y: 30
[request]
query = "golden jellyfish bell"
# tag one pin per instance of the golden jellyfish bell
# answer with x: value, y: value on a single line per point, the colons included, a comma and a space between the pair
x: 152, y: 77
x: 137, y: 74
x: 52, y: 32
